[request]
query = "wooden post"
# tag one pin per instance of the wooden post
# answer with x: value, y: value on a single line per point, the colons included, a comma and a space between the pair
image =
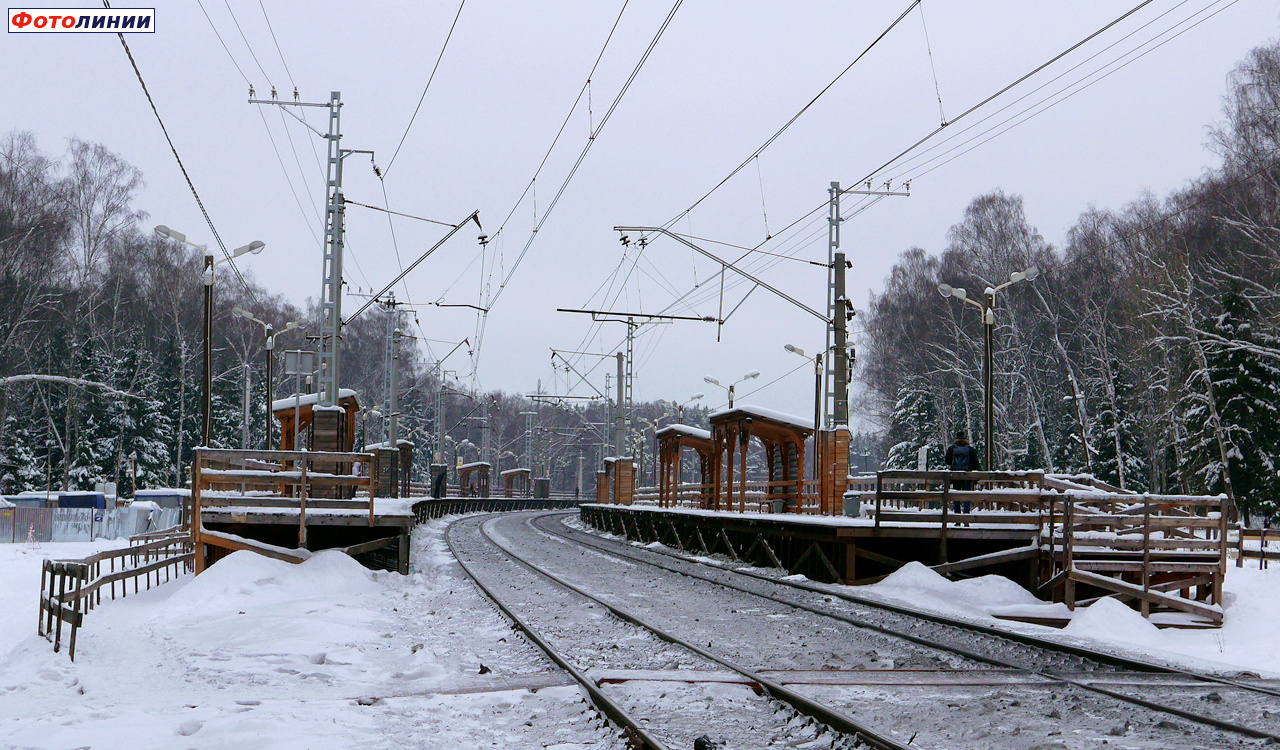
x: 302, y: 505
x: 942, y: 535
x: 197, y: 543
x: 1068, y: 543
x: 879, y: 488
x: 1224, y: 507
x: 850, y: 562
x: 1146, y: 554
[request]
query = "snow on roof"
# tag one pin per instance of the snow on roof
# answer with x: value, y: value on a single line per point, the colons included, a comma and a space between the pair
x: 307, y: 399
x: 683, y: 429
x: 509, y: 472
x: 476, y: 464
x: 805, y: 423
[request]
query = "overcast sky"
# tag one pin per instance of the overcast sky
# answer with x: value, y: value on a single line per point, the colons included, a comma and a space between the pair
x: 721, y: 80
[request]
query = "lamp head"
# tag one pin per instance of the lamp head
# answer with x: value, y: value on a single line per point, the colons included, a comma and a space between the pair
x: 240, y: 312
x: 697, y: 396
x: 292, y: 325
x: 959, y: 294
x: 1017, y: 276
x: 794, y: 349
x: 1032, y: 273
x: 752, y: 374
x: 989, y: 291
x: 164, y: 231
x: 945, y: 290
x: 711, y: 380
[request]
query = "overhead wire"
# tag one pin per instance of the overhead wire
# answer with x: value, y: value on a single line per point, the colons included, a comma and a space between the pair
x: 182, y: 167
x: 581, y: 157
x: 1062, y: 94
x: 426, y: 88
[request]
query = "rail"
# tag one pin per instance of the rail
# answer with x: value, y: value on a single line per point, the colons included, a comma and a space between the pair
x: 71, y: 588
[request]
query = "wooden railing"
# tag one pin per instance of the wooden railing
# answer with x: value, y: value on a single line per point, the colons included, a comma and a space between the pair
x: 71, y: 588
x: 760, y: 496
x: 1144, y: 547
x: 286, y: 479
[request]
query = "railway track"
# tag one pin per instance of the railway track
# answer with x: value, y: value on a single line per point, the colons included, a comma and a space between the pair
x: 1240, y: 712
x: 664, y: 690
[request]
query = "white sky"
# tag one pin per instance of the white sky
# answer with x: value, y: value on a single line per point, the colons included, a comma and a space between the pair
x: 724, y: 77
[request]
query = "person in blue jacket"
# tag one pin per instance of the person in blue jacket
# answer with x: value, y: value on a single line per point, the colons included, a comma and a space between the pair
x: 962, y: 456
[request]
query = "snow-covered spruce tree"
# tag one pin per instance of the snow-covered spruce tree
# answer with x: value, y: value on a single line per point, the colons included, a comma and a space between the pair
x: 144, y: 425
x: 95, y: 434
x: 1119, y: 456
x: 914, y: 423
x: 20, y: 470
x: 1247, y: 391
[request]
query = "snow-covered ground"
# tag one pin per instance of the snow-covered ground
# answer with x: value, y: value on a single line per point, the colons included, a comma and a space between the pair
x: 20, y: 582
x: 264, y: 654
x: 1246, y: 641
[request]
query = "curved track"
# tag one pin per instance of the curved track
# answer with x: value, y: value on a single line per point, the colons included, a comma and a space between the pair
x: 1130, y: 681
x: 750, y: 718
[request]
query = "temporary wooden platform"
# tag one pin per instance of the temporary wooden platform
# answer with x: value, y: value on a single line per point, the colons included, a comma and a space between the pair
x: 1072, y: 538
x: 827, y: 548
x: 264, y: 501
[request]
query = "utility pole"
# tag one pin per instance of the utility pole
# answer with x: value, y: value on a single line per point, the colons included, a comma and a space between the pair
x: 620, y: 418
x: 391, y: 375
x: 839, y: 309
x: 330, y: 342
x: 244, y: 429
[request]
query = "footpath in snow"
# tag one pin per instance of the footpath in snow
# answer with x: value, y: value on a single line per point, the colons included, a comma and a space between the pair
x: 265, y: 654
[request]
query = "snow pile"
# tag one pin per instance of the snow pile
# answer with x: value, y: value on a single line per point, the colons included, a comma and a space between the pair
x: 261, y: 653
x: 1246, y: 640
x: 984, y: 598
x: 1111, y: 620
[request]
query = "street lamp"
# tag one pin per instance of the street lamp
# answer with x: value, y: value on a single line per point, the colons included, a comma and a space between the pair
x: 988, y: 323
x: 364, y: 423
x: 269, y: 334
x: 731, y: 386
x: 817, y: 397
x: 254, y: 247
x: 680, y: 408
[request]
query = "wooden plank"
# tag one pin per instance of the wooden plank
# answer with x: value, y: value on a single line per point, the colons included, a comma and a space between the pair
x: 994, y: 558
x: 1210, y: 611
x: 1118, y: 566
x: 363, y: 547
x: 232, y: 542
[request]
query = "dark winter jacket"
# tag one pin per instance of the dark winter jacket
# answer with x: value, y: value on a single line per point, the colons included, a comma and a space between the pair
x: 961, y: 456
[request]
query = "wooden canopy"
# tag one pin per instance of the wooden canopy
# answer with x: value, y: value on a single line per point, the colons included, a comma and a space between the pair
x: 473, y: 479
x: 782, y: 436
x: 517, y: 480
x: 305, y: 405
x: 672, y: 440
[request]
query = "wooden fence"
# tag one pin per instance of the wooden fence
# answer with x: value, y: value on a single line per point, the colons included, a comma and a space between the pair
x: 758, y: 496
x: 1162, y: 550
x: 71, y: 588
x: 281, y: 479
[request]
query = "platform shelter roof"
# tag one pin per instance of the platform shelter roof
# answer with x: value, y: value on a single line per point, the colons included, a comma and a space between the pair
x: 514, y: 472
x: 476, y: 465
x: 683, y: 429
x: 759, y: 412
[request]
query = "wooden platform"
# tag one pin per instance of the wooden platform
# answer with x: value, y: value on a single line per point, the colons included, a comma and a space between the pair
x: 830, y: 548
x: 263, y: 501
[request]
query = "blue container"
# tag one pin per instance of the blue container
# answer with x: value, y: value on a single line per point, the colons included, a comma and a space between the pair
x: 82, y: 500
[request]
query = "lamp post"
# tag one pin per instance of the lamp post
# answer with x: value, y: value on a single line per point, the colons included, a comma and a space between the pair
x: 680, y: 408
x: 817, y: 397
x: 989, y: 324
x: 269, y: 334
x: 731, y: 386
x: 254, y: 247
x: 364, y: 423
